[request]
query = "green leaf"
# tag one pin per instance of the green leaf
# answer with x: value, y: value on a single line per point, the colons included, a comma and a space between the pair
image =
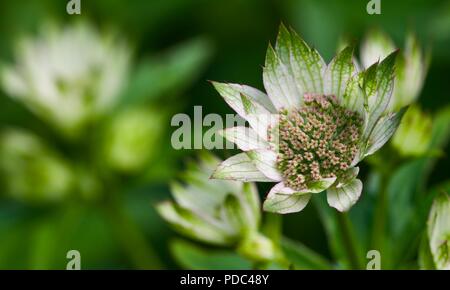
x: 335, y: 238
x: 408, y: 210
x: 192, y: 257
x: 441, y: 129
x: 425, y: 258
x: 408, y: 204
x: 167, y: 74
x: 302, y: 257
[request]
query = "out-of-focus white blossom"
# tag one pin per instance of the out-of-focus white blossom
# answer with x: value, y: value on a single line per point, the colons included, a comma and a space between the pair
x: 68, y: 76
x: 411, y: 67
x: 218, y: 212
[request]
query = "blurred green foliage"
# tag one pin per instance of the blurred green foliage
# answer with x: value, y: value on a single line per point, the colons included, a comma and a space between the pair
x: 177, y: 45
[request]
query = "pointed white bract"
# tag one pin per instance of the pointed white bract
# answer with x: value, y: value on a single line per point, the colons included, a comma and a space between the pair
x: 245, y: 138
x: 345, y: 196
x: 327, y: 119
x: 282, y: 199
x: 239, y: 167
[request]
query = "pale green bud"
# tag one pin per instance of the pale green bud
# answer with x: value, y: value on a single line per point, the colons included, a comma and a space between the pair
x: 414, y: 133
x: 258, y: 247
x: 439, y: 231
x: 133, y: 138
x: 30, y: 170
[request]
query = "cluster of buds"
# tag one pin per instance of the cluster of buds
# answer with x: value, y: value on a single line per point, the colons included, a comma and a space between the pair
x: 318, y: 140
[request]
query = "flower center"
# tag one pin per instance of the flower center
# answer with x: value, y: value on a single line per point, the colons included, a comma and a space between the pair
x: 317, y: 141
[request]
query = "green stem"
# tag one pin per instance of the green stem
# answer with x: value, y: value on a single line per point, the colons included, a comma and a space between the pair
x: 272, y: 227
x: 140, y: 252
x: 348, y: 240
x: 379, y: 222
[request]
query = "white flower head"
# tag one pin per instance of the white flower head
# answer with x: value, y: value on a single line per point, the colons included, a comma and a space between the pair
x: 68, y: 76
x: 313, y: 126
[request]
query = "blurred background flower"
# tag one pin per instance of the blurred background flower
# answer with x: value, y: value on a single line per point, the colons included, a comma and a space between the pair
x: 218, y: 212
x: 411, y: 67
x: 413, y: 136
x: 68, y: 76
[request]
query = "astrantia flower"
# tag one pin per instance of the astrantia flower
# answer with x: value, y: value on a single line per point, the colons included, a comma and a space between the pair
x: 313, y: 126
x: 217, y: 212
x: 68, y: 77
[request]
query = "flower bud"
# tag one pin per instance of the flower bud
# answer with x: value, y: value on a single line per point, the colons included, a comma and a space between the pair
x: 30, y: 170
x: 439, y: 231
x: 257, y: 247
x: 132, y: 139
x: 413, y: 136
